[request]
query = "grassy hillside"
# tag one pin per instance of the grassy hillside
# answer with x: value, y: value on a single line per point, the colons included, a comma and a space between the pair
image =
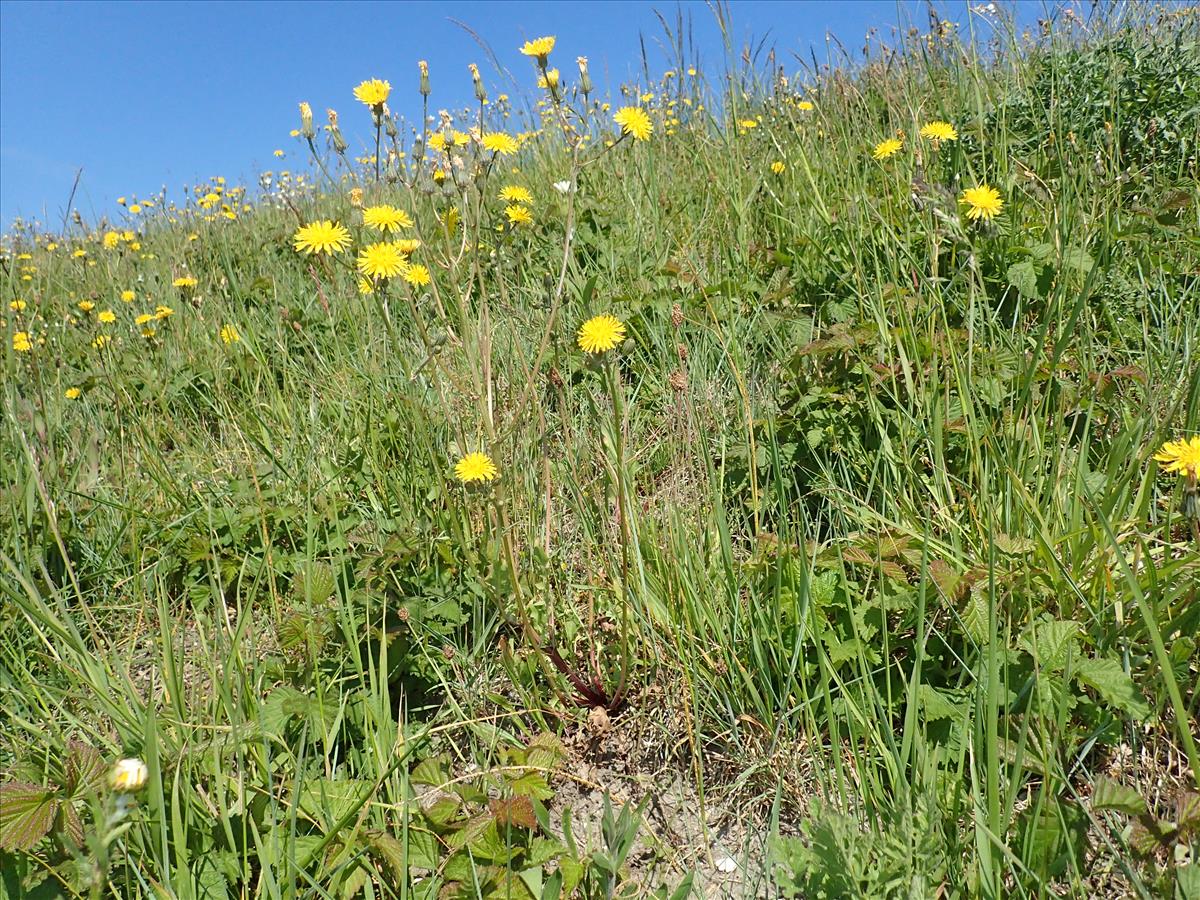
x: 818, y: 521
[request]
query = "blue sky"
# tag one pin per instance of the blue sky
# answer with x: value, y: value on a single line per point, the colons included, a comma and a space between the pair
x: 141, y: 95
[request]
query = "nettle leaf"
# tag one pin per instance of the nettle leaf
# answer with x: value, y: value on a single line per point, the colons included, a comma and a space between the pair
x: 1110, y: 794
x: 1110, y: 680
x: 1024, y: 277
x: 27, y: 814
x: 1050, y: 642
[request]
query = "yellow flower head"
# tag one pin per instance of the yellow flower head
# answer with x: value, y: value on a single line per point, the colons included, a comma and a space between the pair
x: 417, y: 275
x: 87, y: 305
x: 386, y: 218
x: 16, y: 305
x: 805, y: 105
x: 938, y: 132
x: 185, y: 283
x: 128, y: 775
x: 382, y: 260
x: 127, y: 296
x: 633, y: 120
x: 144, y: 319
x: 107, y: 317
x: 102, y: 341
x: 983, y: 202
x: 229, y: 334
x: 748, y: 123
x: 321, y: 237
x: 111, y: 240
x: 778, y: 167
x: 475, y: 467
x: 163, y: 312
x: 21, y: 342
x: 407, y: 246
x: 514, y: 193
x: 373, y: 93
x: 1181, y: 456
x: 600, y: 334
x: 518, y: 215
x: 72, y: 393
x: 499, y: 142
x: 887, y: 148
x: 539, y: 47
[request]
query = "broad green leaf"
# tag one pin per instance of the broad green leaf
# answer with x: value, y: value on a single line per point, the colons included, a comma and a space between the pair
x: 26, y: 814
x: 1024, y: 277
x: 1050, y: 642
x: 1110, y: 794
x: 939, y: 705
x: 532, y: 784
x: 328, y: 801
x: 1110, y: 680
x: 975, y: 616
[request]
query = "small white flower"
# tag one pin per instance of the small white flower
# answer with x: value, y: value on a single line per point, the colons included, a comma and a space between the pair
x: 128, y: 775
x: 562, y: 186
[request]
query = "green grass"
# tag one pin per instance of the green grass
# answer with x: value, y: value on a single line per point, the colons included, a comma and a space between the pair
x: 858, y: 530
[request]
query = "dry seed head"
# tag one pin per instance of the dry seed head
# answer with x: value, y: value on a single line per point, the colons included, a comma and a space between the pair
x: 676, y: 315
x: 682, y: 351
x: 678, y: 381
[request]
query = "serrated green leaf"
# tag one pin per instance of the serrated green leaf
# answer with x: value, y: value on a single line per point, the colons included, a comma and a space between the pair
x: 1110, y: 680
x: 27, y: 814
x: 85, y: 769
x: 1050, y: 642
x: 938, y: 705
x: 531, y: 784
x: 1109, y: 794
x: 433, y: 771
x: 1024, y: 277
x: 1187, y: 882
x: 975, y: 616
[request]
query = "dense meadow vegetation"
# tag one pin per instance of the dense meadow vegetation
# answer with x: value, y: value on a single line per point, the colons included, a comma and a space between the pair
x: 813, y: 447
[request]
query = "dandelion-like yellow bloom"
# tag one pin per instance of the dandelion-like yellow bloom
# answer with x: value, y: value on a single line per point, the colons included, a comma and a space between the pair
x: 127, y: 296
x: 805, y: 105
x: 366, y: 287
x: 939, y: 131
x: 17, y: 305
x: 373, y: 93
x: 983, y: 202
x: 102, y: 341
x: 111, y: 240
x: 475, y: 467
x: 1181, y: 457
x: 185, y: 282
x: 107, y: 317
x: 128, y: 775
x: 86, y: 305
x: 518, y: 215
x: 163, y: 312
x: 407, y: 246
x: 514, y: 193
x: 72, y: 393
x: 386, y: 218
x: 229, y: 334
x: 499, y: 142
x: 382, y: 260
x: 887, y: 148
x: 21, y: 342
x: 144, y: 319
x: 600, y: 334
x: 778, y: 167
x: 539, y: 47
x: 417, y: 275
x: 321, y: 237
x: 633, y: 120
x: 748, y: 123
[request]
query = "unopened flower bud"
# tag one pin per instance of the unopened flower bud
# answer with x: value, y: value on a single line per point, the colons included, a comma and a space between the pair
x: 585, y: 80
x: 306, y: 120
x: 424, y: 88
x: 480, y: 90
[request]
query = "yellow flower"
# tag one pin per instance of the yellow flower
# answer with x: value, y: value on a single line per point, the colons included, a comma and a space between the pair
x: 87, y: 305
x: 539, y: 47
x: 633, y: 120
x: 516, y: 194
x: 600, y: 334
x: 499, y: 142
x: 887, y: 148
x: 16, y: 305
x: 112, y: 240
x: 107, y: 317
x: 373, y: 93
x: 229, y: 334
x: 549, y: 80
x: 135, y: 209
x: 1181, y: 456
x: 102, y: 341
x: 144, y: 319
x: 80, y: 253
x: 417, y: 275
x: 778, y: 167
x: 748, y: 123
x: 984, y: 202
x: 321, y: 237
x: 518, y: 215
x: 386, y: 218
x: 938, y: 132
x: 128, y: 775
x: 72, y: 393
x: 21, y: 342
x: 805, y: 105
x: 382, y: 260
x: 127, y: 296
x: 185, y: 282
x: 163, y: 312
x: 475, y: 467
x: 365, y: 287
x: 407, y: 246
